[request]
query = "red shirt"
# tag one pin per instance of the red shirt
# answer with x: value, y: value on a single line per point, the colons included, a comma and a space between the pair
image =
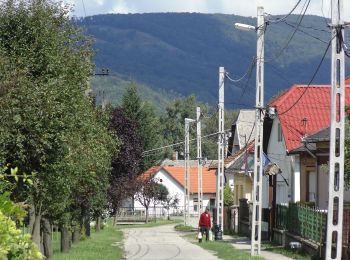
x: 204, y: 220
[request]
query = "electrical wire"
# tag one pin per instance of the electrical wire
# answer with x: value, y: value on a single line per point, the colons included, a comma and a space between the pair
x: 312, y: 79
x: 302, y: 15
x: 83, y: 3
x: 180, y: 143
x: 277, y: 20
x: 306, y: 33
x: 249, y: 69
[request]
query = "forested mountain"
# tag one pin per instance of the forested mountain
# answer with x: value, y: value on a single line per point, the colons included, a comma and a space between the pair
x: 179, y: 54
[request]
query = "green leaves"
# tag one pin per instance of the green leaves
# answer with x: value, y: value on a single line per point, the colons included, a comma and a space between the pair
x: 49, y: 126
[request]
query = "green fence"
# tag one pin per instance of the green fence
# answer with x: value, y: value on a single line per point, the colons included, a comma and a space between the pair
x: 302, y: 220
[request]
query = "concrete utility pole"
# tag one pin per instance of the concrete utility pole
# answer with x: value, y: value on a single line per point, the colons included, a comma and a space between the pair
x: 336, y: 149
x: 199, y: 158
x: 258, y: 150
x: 259, y: 123
x: 187, y: 174
x: 221, y: 155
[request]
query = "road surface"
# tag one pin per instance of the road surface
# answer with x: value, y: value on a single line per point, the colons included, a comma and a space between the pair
x: 161, y: 242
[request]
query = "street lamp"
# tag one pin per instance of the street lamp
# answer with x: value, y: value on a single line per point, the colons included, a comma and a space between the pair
x: 244, y: 27
x: 259, y: 120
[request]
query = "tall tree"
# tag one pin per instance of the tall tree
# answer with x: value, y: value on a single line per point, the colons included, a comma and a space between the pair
x: 125, y: 163
x: 45, y: 64
x: 149, y: 127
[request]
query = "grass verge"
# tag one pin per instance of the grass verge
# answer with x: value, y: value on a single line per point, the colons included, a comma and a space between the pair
x: 222, y: 249
x: 272, y: 247
x: 183, y: 228
x: 106, y: 244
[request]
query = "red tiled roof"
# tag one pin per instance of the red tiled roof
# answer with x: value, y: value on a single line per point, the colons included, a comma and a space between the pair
x: 178, y: 173
x: 208, y: 177
x: 150, y: 172
x: 310, y: 114
x: 347, y: 81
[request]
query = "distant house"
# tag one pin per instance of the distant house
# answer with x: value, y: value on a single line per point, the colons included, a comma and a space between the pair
x: 172, y: 177
x: 299, y: 112
x: 239, y: 163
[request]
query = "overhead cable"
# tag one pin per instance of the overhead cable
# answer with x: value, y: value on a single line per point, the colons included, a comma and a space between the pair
x: 277, y: 20
x: 312, y: 79
x: 249, y: 69
x: 302, y: 15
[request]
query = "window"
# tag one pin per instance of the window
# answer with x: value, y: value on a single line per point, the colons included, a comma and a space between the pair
x: 279, y: 134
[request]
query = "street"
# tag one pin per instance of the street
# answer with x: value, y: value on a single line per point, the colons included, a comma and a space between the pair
x: 161, y: 242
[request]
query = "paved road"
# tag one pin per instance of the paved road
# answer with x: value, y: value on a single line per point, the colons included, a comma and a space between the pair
x: 161, y: 242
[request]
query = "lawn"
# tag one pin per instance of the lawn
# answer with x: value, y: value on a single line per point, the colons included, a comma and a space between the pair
x: 106, y: 243
x: 184, y: 228
x: 222, y: 249
x: 286, y: 252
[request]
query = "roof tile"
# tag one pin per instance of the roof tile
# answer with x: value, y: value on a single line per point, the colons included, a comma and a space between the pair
x: 310, y: 113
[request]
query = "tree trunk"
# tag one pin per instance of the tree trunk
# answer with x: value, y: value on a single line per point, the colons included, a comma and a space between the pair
x: 87, y: 226
x: 115, y: 219
x: 36, y: 230
x: 31, y: 219
x: 76, y: 235
x: 98, y: 224
x: 47, y: 238
x: 146, y: 214
x: 65, y: 239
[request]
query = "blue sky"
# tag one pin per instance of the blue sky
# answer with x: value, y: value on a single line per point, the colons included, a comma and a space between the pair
x: 239, y: 7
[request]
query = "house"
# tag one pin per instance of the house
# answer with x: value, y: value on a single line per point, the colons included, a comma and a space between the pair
x: 239, y: 168
x: 238, y: 165
x: 298, y: 112
x: 173, y: 178
x: 318, y: 144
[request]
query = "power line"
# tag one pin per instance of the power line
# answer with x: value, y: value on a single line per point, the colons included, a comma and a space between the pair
x: 306, y: 33
x: 312, y: 78
x: 248, y: 71
x: 180, y: 143
x: 302, y: 15
x: 83, y: 3
x: 277, y: 20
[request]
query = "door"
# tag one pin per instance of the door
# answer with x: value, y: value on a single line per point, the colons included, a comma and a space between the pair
x: 312, y: 186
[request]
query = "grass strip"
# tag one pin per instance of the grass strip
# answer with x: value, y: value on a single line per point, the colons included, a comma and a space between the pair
x: 105, y: 244
x: 272, y: 247
x: 222, y: 249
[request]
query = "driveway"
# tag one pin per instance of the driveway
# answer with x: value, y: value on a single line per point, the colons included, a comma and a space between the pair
x: 161, y: 242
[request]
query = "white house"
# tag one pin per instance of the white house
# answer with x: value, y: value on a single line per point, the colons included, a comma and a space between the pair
x: 172, y: 177
x: 299, y: 112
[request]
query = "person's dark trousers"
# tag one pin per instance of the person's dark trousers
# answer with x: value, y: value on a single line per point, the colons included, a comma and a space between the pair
x: 206, y: 230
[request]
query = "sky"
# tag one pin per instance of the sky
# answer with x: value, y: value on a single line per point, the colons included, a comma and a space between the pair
x: 238, y: 7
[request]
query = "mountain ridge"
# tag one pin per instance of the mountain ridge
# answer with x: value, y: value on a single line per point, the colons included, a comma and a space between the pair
x: 181, y: 52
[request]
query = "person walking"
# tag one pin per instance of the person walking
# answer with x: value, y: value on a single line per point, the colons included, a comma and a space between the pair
x: 204, y: 223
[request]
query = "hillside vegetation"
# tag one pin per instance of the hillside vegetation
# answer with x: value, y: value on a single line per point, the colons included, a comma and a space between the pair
x: 179, y: 53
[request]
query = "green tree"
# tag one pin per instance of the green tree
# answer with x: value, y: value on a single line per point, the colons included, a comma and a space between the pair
x: 49, y: 125
x: 228, y: 196
x: 149, y: 127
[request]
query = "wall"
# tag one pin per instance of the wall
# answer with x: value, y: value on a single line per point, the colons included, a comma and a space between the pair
x: 276, y: 152
x: 308, y: 164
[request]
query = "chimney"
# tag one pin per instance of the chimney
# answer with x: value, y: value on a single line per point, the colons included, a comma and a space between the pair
x: 175, y: 156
